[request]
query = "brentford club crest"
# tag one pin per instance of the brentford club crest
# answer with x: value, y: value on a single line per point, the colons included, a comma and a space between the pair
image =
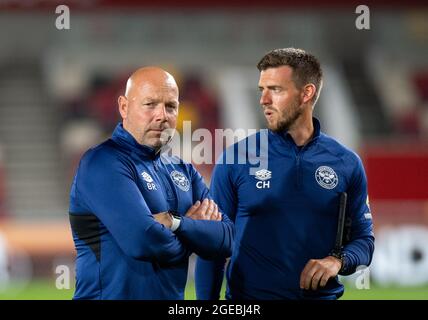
x: 180, y: 180
x: 326, y: 177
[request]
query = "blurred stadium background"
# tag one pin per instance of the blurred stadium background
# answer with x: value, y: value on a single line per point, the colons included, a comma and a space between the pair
x: 58, y: 91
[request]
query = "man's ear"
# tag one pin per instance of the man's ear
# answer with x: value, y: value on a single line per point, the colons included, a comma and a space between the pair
x: 309, y: 91
x: 122, y: 103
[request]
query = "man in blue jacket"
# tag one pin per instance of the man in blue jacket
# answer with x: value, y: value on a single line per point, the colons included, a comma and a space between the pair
x: 137, y: 215
x: 286, y: 214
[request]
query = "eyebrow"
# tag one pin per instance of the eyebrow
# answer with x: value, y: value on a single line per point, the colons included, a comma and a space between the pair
x: 150, y: 99
x: 271, y: 87
x: 157, y: 100
x: 173, y: 102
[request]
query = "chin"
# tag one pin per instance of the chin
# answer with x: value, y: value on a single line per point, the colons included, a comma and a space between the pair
x: 152, y: 143
x: 272, y: 126
x: 156, y: 144
x: 279, y: 128
x: 159, y: 144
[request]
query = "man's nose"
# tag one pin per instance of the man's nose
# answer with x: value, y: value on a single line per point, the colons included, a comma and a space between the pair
x: 160, y: 113
x: 265, y: 98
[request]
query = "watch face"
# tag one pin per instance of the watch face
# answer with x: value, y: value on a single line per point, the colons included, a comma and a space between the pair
x: 176, y: 221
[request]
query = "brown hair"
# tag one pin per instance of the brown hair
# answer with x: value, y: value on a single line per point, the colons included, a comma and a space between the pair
x: 306, y: 68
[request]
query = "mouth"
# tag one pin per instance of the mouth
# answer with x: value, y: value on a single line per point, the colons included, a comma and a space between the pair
x: 268, y: 113
x: 156, y: 133
x: 157, y: 130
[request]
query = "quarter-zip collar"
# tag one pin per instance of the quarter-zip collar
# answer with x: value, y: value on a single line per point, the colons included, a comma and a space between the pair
x: 286, y: 137
x: 123, y: 138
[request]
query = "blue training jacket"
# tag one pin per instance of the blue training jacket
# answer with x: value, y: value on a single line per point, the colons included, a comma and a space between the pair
x: 122, y: 252
x: 285, y: 215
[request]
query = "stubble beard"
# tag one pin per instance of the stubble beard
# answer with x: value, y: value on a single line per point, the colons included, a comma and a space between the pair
x: 162, y: 141
x: 287, y: 118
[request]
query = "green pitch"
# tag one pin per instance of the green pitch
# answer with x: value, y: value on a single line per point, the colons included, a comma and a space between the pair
x: 45, y: 290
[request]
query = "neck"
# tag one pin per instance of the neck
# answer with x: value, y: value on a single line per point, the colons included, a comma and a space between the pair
x: 303, y: 129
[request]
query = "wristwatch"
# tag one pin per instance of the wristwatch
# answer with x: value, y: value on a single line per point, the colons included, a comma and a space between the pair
x: 176, y: 220
x: 341, y: 256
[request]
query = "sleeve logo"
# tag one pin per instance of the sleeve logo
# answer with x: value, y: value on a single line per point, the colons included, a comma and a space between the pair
x: 146, y: 177
x: 263, y: 175
x: 149, y: 180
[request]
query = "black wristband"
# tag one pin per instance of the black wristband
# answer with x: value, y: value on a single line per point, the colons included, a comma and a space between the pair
x: 341, y: 257
x: 174, y: 214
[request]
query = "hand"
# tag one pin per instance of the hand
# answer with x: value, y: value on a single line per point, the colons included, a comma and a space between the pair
x: 164, y: 218
x: 207, y: 210
x: 318, y: 271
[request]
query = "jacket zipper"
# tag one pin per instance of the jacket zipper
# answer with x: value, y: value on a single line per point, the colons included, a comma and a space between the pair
x: 298, y: 170
x: 299, y: 156
x: 170, y: 195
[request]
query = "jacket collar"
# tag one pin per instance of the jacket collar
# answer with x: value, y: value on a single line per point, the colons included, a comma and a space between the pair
x: 124, y: 139
x: 287, y: 137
